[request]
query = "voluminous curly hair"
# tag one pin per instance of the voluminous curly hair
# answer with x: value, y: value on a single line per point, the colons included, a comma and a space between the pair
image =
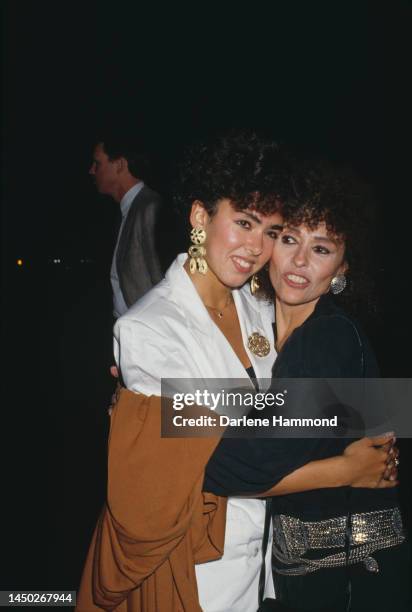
x: 323, y: 192
x: 240, y: 166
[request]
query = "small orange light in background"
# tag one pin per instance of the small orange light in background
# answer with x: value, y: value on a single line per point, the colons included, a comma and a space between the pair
x: 19, y: 262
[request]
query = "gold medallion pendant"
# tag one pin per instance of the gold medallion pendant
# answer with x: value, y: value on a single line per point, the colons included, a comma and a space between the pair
x: 258, y: 344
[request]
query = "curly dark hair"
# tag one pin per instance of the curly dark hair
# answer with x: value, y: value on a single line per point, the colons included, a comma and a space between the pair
x: 240, y: 166
x: 321, y: 191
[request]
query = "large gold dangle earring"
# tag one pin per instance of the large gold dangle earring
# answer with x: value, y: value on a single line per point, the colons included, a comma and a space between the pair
x: 254, y: 284
x: 197, y: 252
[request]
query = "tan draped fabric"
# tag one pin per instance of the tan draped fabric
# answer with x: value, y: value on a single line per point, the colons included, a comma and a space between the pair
x: 157, y: 523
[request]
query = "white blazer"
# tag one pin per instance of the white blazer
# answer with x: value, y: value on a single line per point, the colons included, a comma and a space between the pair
x: 169, y: 334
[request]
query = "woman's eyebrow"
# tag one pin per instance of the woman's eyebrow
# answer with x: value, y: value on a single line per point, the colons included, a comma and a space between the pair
x: 291, y: 228
x: 251, y: 216
x: 257, y: 220
x: 324, y: 239
x: 317, y: 238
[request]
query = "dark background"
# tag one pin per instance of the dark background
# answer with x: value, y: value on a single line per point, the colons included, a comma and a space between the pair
x: 330, y: 77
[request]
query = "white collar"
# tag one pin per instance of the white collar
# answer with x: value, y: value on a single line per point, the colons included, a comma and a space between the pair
x: 129, y: 196
x: 187, y: 297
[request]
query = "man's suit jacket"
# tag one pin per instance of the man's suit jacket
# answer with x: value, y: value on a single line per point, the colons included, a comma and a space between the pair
x: 137, y: 259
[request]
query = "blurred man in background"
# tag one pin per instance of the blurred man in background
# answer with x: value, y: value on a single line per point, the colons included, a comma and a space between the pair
x: 117, y: 169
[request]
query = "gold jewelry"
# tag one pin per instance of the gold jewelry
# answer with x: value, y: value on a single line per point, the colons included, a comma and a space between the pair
x: 219, y: 313
x: 197, y: 252
x: 258, y: 345
x: 198, y: 235
x: 254, y: 284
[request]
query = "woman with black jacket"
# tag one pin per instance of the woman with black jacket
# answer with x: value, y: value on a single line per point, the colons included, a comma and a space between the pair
x: 337, y: 548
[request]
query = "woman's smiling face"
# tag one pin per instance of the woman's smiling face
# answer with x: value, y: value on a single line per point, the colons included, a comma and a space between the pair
x: 238, y: 243
x: 303, y: 263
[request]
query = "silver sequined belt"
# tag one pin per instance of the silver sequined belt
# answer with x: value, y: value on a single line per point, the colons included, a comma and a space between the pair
x: 367, y: 532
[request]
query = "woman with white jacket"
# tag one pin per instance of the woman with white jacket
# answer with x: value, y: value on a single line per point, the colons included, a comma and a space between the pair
x: 198, y: 326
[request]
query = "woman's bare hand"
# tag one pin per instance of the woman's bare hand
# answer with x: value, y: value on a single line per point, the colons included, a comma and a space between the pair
x: 368, y: 461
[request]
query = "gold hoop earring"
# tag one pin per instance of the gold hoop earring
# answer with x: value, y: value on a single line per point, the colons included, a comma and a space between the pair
x: 197, y: 252
x: 254, y: 284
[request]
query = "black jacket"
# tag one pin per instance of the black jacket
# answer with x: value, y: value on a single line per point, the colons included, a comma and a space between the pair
x: 327, y: 345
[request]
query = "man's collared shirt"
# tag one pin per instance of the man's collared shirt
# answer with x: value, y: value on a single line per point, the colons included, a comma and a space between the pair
x: 119, y: 305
